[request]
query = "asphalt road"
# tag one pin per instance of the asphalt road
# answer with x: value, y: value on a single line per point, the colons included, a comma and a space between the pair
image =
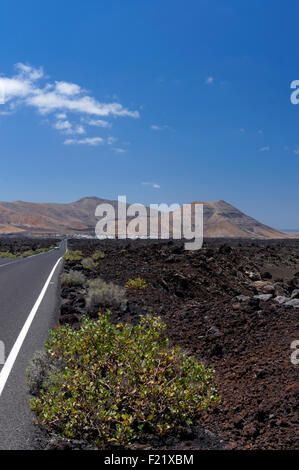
x: 28, y: 310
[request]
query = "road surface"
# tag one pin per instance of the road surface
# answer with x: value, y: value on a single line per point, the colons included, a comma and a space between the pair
x: 28, y: 309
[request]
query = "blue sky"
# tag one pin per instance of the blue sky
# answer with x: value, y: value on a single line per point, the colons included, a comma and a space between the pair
x: 190, y: 97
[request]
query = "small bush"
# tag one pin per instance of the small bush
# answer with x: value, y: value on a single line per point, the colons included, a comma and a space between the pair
x: 119, y: 382
x: 136, y: 283
x: 72, y: 278
x: 76, y: 255
x: 102, y: 294
x: 7, y: 254
x: 27, y: 253
x: 40, y: 370
x: 88, y: 263
x: 42, y: 250
x: 23, y: 254
x: 98, y: 255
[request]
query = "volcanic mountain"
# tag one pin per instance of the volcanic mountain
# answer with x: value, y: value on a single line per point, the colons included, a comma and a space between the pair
x: 221, y: 220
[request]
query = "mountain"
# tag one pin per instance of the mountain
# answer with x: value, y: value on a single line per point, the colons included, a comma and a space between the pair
x: 220, y: 219
x: 19, y: 216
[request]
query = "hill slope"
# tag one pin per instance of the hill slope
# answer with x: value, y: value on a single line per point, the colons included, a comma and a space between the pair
x: 220, y: 219
x: 223, y: 220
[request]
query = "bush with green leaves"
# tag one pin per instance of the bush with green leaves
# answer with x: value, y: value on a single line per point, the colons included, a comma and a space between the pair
x: 120, y: 382
x: 76, y: 255
x: 7, y: 254
x: 27, y: 253
x: 97, y: 255
x: 72, y: 278
x: 43, y: 250
x: 88, y: 263
x: 23, y: 254
x: 102, y: 294
x: 137, y: 283
x: 41, y: 368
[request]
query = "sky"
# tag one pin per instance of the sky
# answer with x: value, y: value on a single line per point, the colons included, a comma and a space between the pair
x: 166, y: 101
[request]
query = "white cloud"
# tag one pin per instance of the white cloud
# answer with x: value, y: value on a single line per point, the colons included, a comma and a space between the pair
x: 50, y: 101
x: 111, y: 140
x: 209, y: 80
x: 79, y: 130
x: 30, y: 87
x: 119, y: 150
x: 12, y: 88
x: 153, y: 185
x: 265, y: 149
x: 68, y: 128
x: 20, y: 85
x: 296, y: 151
x: 63, y: 125
x: 99, y: 123
x: 69, y: 89
x: 29, y: 72
x: 5, y: 113
x: 92, y: 141
x: 61, y: 116
x: 154, y: 127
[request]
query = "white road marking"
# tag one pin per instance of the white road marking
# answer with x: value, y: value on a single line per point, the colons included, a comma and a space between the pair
x: 6, y: 370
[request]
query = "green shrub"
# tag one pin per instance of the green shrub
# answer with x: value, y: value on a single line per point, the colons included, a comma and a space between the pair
x: 98, y: 255
x: 88, y: 263
x: 72, y: 278
x: 40, y: 370
x: 42, y: 250
x: 7, y: 254
x: 26, y: 254
x: 120, y: 382
x: 102, y: 294
x: 23, y: 254
x: 76, y: 255
x: 136, y: 283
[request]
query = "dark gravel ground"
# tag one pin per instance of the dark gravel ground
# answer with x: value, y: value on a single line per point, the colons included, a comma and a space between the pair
x: 248, y: 342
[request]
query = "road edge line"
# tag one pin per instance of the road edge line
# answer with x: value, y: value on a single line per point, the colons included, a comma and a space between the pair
x: 7, y: 368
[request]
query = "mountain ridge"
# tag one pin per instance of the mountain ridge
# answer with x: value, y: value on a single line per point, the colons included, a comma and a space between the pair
x: 221, y: 219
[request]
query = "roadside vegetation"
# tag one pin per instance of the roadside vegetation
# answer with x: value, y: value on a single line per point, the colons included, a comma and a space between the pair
x: 7, y: 254
x: 137, y: 283
x: 88, y: 263
x: 115, y: 383
x: 97, y: 255
x: 73, y: 278
x: 76, y: 255
x: 224, y: 331
x: 25, y: 254
x: 102, y: 294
